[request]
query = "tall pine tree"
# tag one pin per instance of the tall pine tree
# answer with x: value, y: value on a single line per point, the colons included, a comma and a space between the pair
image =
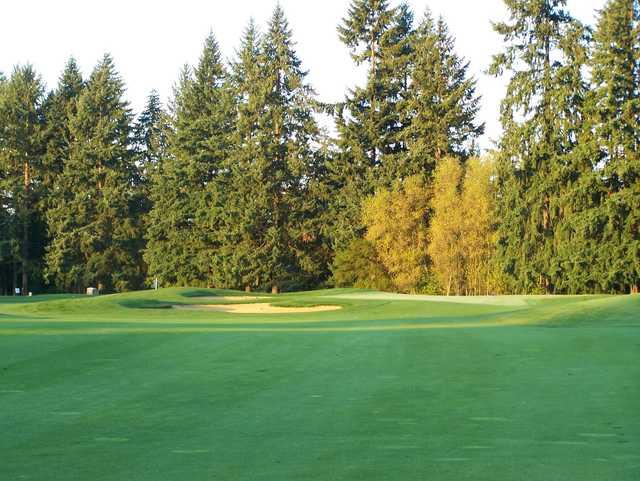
x: 372, y: 151
x: 151, y: 133
x: 186, y: 193
x: 442, y: 103
x: 21, y: 171
x: 96, y: 237
x: 615, y: 122
x: 272, y: 235
x: 60, y: 107
x: 541, y: 117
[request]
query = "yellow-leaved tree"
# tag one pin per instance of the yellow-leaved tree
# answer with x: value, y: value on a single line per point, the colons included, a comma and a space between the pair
x: 462, y: 232
x: 397, y: 227
x: 478, y: 226
x: 445, y: 246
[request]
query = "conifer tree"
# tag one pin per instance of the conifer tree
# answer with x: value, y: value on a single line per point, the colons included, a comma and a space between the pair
x: 274, y: 242
x: 96, y: 237
x: 372, y: 152
x: 379, y: 37
x: 151, y: 132
x: 542, y: 118
x: 238, y: 261
x: 442, y: 104
x: 21, y: 171
x: 60, y: 107
x: 186, y: 193
x: 615, y: 120
x: 8, y: 237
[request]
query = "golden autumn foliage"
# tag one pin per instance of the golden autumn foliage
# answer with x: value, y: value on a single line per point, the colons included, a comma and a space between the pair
x: 397, y: 227
x: 478, y: 226
x: 462, y: 227
x: 445, y: 247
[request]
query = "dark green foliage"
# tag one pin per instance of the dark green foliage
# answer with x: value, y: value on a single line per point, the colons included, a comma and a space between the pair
x: 542, y: 119
x: 186, y: 191
x: 359, y: 266
x: 442, y: 105
x: 59, y: 109
x: 369, y: 122
x: 151, y: 133
x: 615, y: 122
x: 569, y: 165
x: 21, y: 175
x: 270, y: 237
x: 96, y: 236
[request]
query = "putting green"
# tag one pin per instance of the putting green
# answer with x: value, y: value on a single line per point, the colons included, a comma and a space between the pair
x: 387, y: 387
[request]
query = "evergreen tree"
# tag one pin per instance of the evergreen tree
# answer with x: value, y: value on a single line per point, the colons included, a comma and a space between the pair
x: 96, y: 237
x: 151, y: 133
x: 615, y: 122
x: 379, y: 37
x: 151, y: 136
x: 441, y: 105
x: 272, y: 234
x: 8, y: 251
x: 60, y: 107
x: 186, y: 192
x: 359, y: 266
x: 238, y: 259
x: 542, y: 120
x: 21, y: 152
x: 372, y: 152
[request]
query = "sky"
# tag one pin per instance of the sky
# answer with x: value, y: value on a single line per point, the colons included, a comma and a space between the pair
x: 151, y: 40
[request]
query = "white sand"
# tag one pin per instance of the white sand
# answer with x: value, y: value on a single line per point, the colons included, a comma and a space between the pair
x: 258, y: 308
x: 232, y: 298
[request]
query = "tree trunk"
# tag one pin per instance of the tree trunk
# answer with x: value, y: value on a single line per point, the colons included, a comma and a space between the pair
x: 275, y: 289
x: 247, y: 288
x: 24, y: 251
x: 15, y: 278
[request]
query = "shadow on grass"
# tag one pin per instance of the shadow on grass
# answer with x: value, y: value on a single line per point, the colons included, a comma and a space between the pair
x: 21, y: 318
x: 145, y: 304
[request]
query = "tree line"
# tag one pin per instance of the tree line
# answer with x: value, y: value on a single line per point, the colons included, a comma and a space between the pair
x: 234, y: 184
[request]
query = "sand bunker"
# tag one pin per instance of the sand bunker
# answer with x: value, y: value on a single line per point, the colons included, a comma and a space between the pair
x: 259, y: 308
x: 232, y: 298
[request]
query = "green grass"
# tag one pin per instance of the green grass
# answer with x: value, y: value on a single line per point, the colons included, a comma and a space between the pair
x: 390, y: 388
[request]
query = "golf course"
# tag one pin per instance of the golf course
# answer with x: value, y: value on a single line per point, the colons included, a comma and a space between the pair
x: 342, y: 384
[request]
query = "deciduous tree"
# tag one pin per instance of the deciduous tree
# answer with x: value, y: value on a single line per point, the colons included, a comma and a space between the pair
x: 397, y: 223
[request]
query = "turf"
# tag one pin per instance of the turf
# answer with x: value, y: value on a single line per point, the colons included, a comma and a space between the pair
x: 390, y: 387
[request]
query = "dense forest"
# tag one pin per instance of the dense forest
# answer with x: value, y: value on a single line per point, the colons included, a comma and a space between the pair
x: 234, y: 184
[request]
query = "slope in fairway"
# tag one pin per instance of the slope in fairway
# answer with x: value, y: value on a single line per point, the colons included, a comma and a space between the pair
x: 127, y: 387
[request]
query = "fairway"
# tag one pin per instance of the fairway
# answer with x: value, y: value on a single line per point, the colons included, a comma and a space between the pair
x: 141, y: 387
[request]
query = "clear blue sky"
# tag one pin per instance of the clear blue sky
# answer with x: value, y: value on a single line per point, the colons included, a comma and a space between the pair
x: 151, y: 40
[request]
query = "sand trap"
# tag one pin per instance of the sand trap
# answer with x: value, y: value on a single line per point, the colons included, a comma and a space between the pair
x: 258, y: 308
x: 232, y: 298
